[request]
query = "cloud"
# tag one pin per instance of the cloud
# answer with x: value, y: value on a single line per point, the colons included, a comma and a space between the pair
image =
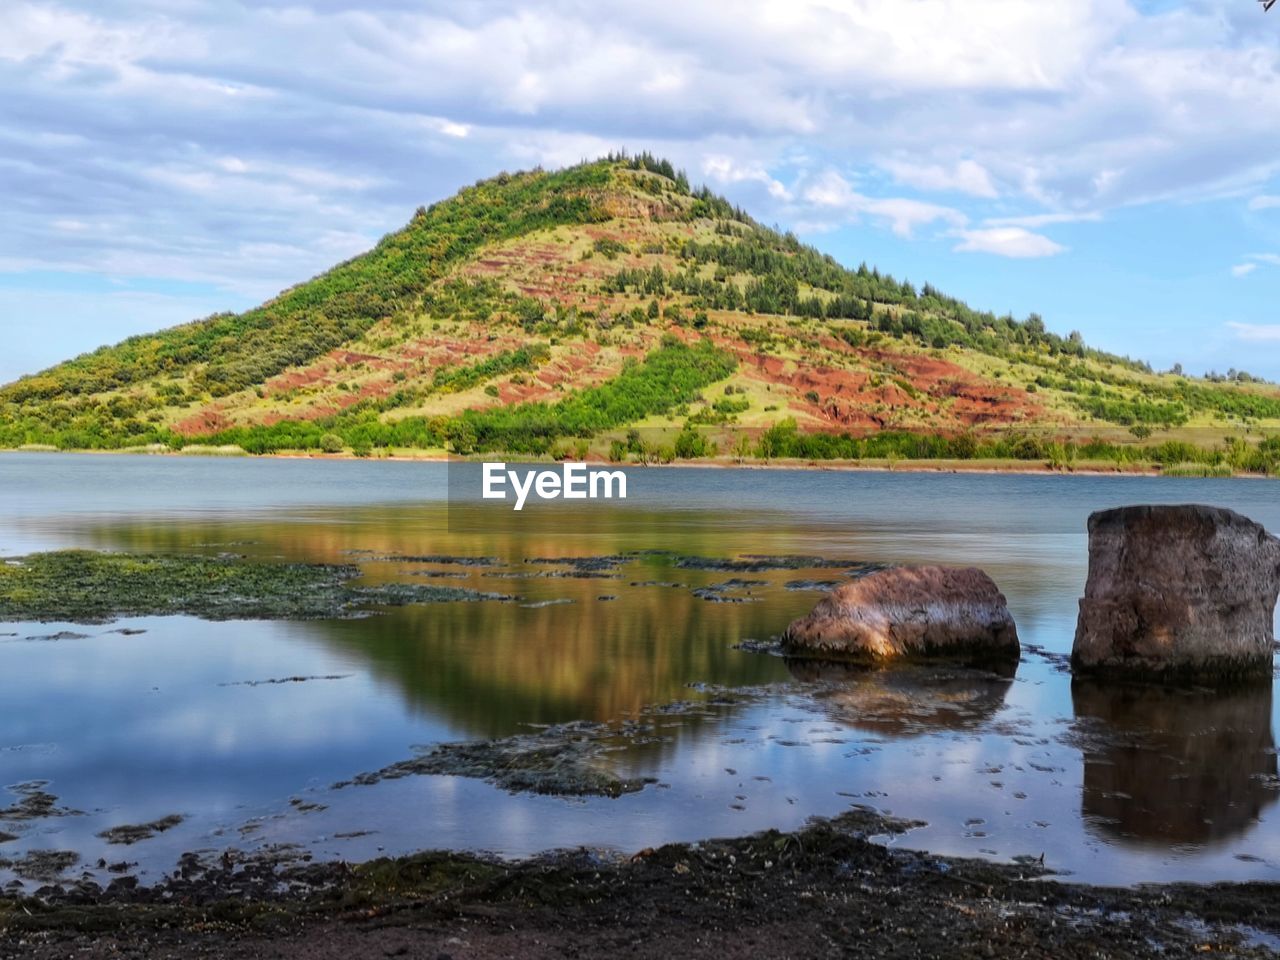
x: 249, y: 145
x: 1252, y: 261
x: 1007, y: 242
x: 1256, y: 332
x: 833, y: 192
x: 1036, y: 220
x: 724, y: 169
x: 965, y: 176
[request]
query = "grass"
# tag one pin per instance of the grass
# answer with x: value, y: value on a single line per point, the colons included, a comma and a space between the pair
x: 219, y: 450
x: 1185, y: 469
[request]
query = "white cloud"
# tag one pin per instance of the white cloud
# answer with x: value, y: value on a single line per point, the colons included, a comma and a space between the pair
x: 451, y: 129
x: 904, y: 215
x: 724, y: 169
x: 1251, y: 262
x: 1256, y: 332
x: 192, y: 136
x: 1007, y: 242
x: 832, y: 191
x: 965, y: 176
x: 1037, y: 220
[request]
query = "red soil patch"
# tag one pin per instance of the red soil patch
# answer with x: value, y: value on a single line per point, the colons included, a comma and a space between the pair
x: 628, y: 207
x: 554, y: 273
x: 870, y: 397
x: 209, y: 420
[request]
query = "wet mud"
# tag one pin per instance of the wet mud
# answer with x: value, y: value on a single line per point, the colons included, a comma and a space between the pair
x: 831, y: 888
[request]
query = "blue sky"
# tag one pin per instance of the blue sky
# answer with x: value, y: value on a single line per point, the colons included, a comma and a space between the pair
x: 1113, y: 165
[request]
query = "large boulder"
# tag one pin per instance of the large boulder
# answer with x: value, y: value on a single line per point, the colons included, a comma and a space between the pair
x: 1177, y: 590
x: 909, y: 613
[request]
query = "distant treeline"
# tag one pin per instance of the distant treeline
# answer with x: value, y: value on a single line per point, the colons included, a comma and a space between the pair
x: 786, y: 277
x: 785, y: 441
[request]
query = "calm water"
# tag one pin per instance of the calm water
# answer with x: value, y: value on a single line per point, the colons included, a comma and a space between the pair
x: 1114, y: 786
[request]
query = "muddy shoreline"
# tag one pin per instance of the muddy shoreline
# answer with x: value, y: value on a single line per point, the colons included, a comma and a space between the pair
x: 836, y: 887
x: 846, y: 886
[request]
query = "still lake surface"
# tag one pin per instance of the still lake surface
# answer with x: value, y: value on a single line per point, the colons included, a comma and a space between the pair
x: 1112, y: 785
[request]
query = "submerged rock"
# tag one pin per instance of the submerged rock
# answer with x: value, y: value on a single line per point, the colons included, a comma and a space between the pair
x: 1187, y: 590
x: 909, y: 613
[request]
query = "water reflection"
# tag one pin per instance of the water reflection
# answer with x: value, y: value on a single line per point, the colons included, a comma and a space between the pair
x: 1182, y: 766
x: 133, y: 728
x: 491, y: 668
x: 905, y: 701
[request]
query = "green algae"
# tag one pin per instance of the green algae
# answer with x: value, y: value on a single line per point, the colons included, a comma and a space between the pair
x: 85, y: 586
x: 133, y: 833
x: 567, y: 759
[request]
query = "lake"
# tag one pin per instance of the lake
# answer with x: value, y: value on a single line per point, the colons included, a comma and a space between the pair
x: 243, y: 727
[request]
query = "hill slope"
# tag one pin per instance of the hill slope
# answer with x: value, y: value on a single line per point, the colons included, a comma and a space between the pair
x: 608, y: 308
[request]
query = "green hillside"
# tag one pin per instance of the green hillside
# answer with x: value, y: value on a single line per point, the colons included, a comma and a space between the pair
x: 611, y: 310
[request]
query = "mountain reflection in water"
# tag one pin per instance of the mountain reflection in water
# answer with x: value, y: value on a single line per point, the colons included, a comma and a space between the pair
x: 228, y: 724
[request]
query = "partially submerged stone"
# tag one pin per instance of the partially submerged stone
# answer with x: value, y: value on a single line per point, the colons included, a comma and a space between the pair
x: 1177, y: 590
x: 910, y: 613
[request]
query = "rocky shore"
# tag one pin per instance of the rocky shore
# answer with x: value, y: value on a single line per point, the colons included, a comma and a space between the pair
x: 834, y: 888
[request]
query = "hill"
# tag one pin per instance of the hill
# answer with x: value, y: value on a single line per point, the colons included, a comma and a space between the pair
x: 610, y: 309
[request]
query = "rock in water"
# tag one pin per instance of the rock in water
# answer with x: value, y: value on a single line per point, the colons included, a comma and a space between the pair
x: 909, y: 613
x: 1181, y: 590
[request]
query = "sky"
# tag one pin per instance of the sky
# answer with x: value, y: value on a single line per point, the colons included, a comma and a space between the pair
x: 1113, y: 165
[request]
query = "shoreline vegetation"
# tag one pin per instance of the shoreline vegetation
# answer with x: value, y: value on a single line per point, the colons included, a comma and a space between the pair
x: 1073, y: 467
